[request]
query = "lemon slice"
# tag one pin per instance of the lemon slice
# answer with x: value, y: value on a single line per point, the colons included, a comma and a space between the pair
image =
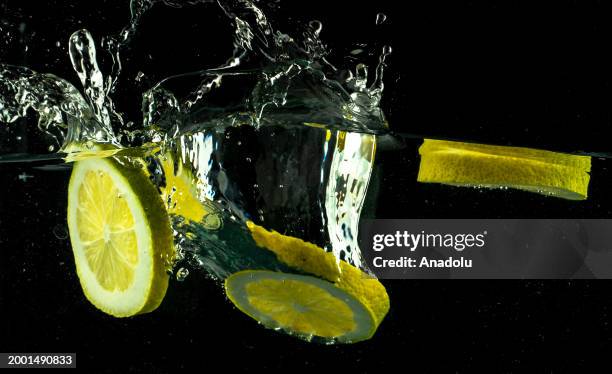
x: 301, y: 305
x: 467, y: 164
x: 340, y: 303
x: 120, y: 234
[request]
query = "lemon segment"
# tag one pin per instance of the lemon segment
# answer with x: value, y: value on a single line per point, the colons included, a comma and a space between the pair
x: 301, y: 305
x: 363, y: 294
x: 120, y: 234
x: 467, y: 164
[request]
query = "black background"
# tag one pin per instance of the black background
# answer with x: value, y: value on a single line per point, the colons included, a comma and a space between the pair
x: 512, y: 73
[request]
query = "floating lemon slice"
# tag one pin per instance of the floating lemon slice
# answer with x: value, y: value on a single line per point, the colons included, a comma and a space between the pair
x: 466, y: 164
x: 120, y: 234
x: 340, y: 303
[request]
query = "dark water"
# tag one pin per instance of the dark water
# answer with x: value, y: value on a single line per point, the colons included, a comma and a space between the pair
x: 536, y: 76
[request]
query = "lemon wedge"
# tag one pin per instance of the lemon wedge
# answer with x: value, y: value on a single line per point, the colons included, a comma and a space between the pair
x: 339, y: 303
x: 467, y: 164
x: 120, y: 234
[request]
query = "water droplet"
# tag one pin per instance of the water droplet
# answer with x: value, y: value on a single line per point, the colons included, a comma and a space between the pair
x: 181, y: 274
x: 212, y: 221
x: 381, y: 18
x: 51, y: 148
x: 24, y: 177
x: 57, y: 43
x: 60, y: 232
x: 316, y: 27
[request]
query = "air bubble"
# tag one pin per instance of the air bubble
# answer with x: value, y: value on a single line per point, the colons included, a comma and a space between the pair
x: 181, y: 274
x: 212, y: 221
x: 316, y: 27
x: 60, y: 232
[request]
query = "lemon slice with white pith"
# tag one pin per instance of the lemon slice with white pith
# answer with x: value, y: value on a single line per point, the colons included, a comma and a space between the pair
x: 300, y: 304
x: 120, y: 234
x: 340, y: 302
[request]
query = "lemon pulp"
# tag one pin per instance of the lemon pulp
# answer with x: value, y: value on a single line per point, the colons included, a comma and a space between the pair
x: 310, y: 310
x: 106, y: 229
x: 179, y: 193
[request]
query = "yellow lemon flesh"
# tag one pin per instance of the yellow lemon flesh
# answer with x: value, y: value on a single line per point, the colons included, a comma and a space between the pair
x: 181, y: 196
x: 179, y: 191
x: 120, y: 234
x: 340, y: 303
x: 467, y: 164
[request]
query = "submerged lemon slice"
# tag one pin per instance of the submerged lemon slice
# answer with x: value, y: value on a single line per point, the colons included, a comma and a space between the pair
x: 340, y: 302
x: 467, y: 164
x: 300, y: 304
x: 120, y: 234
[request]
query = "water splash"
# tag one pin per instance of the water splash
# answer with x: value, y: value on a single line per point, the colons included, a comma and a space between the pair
x: 274, y: 87
x: 270, y: 79
x: 63, y: 114
x: 83, y: 56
